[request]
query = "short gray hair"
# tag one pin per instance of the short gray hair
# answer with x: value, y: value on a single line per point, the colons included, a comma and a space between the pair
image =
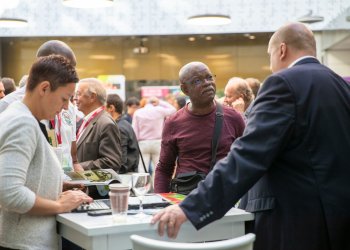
x: 96, y: 86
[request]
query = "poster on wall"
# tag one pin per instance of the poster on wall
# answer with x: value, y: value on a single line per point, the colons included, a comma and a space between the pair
x: 160, y: 91
x: 114, y: 84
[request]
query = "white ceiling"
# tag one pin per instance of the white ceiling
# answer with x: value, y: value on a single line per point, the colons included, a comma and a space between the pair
x: 166, y: 17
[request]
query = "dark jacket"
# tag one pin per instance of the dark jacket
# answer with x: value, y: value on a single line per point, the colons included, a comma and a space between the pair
x: 294, y: 158
x: 130, y: 151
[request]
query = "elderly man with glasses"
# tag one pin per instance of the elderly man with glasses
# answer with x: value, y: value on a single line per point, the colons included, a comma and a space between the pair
x: 187, y: 134
x: 98, y: 137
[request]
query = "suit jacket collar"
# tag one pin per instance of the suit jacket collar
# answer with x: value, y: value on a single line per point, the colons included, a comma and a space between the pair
x: 89, y: 128
x: 303, y: 60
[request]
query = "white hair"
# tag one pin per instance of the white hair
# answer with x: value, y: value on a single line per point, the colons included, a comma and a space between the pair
x: 96, y: 86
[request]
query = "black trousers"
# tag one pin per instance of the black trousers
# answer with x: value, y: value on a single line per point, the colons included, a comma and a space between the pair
x: 68, y: 245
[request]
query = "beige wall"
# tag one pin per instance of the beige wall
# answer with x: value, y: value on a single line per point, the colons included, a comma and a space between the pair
x: 339, y: 61
x: 334, y: 50
x: 226, y: 55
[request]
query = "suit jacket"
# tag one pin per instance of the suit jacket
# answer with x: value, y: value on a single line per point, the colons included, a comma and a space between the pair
x: 294, y: 155
x: 99, y: 145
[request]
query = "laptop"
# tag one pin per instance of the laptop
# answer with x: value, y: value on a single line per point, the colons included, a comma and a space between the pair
x: 149, y: 201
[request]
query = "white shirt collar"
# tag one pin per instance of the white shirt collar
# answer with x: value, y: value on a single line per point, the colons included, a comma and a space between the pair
x: 299, y: 59
x: 87, y: 117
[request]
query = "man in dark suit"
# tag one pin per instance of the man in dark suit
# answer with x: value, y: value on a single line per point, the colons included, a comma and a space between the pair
x: 293, y: 156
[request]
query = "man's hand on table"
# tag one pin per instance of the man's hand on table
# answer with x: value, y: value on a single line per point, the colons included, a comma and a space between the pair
x: 169, y: 219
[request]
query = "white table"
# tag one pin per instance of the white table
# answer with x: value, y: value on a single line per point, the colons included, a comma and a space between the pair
x: 100, y: 233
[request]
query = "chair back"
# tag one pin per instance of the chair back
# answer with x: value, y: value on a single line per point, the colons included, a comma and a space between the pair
x: 244, y: 242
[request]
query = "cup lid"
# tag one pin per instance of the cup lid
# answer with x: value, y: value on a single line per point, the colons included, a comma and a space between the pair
x: 118, y: 186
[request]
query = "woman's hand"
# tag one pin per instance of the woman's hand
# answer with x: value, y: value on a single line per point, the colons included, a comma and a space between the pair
x: 71, y: 199
x: 66, y: 202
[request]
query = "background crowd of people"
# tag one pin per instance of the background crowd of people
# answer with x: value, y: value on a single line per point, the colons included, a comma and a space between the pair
x: 74, y: 126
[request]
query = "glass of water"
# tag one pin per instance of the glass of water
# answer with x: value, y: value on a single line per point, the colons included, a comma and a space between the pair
x: 141, y: 184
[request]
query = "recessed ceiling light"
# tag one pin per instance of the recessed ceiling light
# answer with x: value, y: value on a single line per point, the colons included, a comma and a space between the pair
x: 102, y: 57
x: 12, y: 23
x: 209, y: 19
x: 208, y: 38
x: 88, y: 3
x: 191, y: 39
x: 142, y: 49
x: 218, y: 56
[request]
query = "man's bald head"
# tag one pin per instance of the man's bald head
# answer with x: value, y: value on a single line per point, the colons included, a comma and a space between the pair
x: 296, y: 35
x: 198, y: 83
x: 289, y: 43
x: 57, y: 47
x: 188, y: 69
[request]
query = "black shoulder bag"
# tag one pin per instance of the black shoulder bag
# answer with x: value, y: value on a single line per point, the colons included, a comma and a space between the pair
x: 184, y: 183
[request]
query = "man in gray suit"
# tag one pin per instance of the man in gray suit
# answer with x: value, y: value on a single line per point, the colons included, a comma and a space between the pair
x: 98, y: 138
x: 293, y: 156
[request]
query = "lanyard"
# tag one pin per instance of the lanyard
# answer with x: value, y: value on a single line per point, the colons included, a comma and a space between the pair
x: 58, y: 130
x: 86, y: 123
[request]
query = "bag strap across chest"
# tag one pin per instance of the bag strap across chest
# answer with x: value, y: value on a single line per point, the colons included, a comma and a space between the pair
x: 219, y: 117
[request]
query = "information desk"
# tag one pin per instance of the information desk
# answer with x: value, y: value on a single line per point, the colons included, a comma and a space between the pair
x: 101, y: 233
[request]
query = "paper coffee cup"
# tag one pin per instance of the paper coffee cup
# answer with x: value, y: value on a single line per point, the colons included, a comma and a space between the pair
x: 119, y: 198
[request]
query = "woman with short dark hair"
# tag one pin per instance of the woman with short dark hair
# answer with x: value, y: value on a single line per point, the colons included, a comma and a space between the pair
x: 30, y: 173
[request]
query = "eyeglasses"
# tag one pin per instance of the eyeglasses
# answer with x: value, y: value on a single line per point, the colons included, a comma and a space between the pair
x: 199, y: 80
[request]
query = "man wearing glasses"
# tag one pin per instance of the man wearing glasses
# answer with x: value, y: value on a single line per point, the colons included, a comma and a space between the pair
x: 98, y: 137
x: 187, y: 134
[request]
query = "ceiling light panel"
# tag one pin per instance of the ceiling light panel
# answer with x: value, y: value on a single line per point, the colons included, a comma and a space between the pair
x: 12, y: 23
x: 209, y: 20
